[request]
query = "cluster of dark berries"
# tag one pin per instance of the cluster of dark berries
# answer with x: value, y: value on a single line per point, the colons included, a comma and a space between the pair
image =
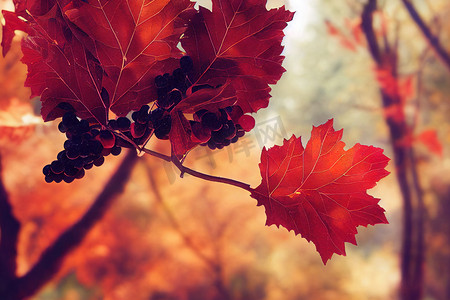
x: 171, y: 88
x: 219, y: 129
x: 85, y: 147
x: 144, y: 123
x: 215, y: 129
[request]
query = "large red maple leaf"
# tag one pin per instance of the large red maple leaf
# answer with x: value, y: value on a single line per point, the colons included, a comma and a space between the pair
x: 320, y: 191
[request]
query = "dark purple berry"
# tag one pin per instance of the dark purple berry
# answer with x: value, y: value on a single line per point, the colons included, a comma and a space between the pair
x: 107, y: 138
x: 73, y: 152
x: 70, y: 170
x: 123, y: 124
x: 116, y: 150
x: 160, y: 81
x: 47, y: 170
x: 68, y: 179
x: 57, y: 167
x: 211, y: 121
x: 70, y: 120
x: 49, y: 178
x: 186, y: 64
x: 80, y: 174
x: 99, y: 161
x: 62, y: 128
x: 179, y: 76
x: 113, y: 124
x: 83, y: 126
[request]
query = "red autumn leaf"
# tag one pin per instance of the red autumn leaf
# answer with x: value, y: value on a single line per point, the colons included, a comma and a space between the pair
x: 331, y: 29
x: 134, y: 41
x: 241, y: 59
x: 180, y: 134
x: 12, y: 23
x: 224, y: 95
x: 60, y: 69
x: 354, y: 26
x: 406, y: 88
x: 345, y: 41
x: 320, y: 191
x: 26, y: 8
x: 238, y: 40
x: 430, y: 139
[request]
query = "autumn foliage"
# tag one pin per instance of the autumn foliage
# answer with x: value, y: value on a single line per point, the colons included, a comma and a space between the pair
x: 102, y: 58
x: 319, y: 191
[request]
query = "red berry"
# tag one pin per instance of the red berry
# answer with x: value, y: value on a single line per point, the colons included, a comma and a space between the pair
x: 107, y: 138
x: 247, y: 122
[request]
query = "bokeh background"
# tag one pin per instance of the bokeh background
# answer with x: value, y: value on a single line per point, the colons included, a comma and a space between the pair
x: 167, y: 238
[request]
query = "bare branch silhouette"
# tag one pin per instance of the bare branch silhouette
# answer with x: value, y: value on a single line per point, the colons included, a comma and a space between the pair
x: 432, y: 39
x: 51, y: 259
x: 9, y: 231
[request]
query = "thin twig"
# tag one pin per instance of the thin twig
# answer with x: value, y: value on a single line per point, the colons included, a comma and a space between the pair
x: 157, y: 154
x: 410, y: 288
x: 189, y: 171
x: 430, y: 37
x: 183, y: 169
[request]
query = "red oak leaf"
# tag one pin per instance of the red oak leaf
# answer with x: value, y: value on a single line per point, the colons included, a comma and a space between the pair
x: 320, y: 191
x: 238, y: 40
x: 134, y: 41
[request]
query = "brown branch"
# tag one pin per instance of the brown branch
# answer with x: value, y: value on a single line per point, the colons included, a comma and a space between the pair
x: 194, y: 173
x: 418, y: 271
x: 432, y: 39
x: 51, y: 259
x: 9, y: 232
x: 367, y: 27
x: 403, y: 159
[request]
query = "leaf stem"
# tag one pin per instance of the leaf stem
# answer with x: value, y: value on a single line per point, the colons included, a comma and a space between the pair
x: 183, y: 169
x: 157, y: 154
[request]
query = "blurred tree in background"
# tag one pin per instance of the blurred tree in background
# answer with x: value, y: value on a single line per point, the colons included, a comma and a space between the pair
x: 160, y: 237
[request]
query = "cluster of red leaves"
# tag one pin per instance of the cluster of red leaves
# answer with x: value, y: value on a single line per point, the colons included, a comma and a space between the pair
x: 400, y: 88
x: 348, y: 42
x: 76, y: 49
